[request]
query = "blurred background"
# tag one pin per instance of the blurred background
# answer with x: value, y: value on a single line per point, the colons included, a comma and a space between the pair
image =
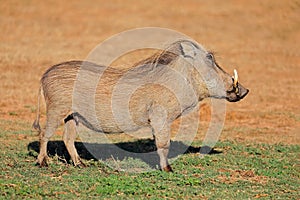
x: 259, y: 38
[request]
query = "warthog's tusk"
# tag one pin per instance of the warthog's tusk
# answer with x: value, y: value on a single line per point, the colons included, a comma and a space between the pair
x: 235, y: 78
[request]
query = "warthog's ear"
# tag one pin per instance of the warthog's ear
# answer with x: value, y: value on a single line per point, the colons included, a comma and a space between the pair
x: 188, y: 49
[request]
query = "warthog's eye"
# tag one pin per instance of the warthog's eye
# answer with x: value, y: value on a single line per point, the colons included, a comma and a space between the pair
x: 210, y: 56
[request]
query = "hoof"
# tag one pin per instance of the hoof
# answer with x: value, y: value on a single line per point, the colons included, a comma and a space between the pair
x: 79, y: 164
x: 168, y: 168
x: 42, y: 163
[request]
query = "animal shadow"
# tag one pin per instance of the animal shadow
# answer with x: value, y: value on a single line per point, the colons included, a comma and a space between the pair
x: 144, y: 150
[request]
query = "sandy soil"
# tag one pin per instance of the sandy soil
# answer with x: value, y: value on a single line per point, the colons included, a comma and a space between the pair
x: 259, y: 38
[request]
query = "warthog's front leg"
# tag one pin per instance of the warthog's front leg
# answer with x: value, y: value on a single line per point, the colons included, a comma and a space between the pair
x: 161, y: 131
x: 69, y: 137
x: 162, y: 140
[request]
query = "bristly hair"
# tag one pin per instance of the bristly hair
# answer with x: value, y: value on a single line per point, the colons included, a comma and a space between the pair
x: 166, y: 56
x: 160, y: 58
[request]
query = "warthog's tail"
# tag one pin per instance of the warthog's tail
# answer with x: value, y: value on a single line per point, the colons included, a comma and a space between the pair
x: 36, y: 123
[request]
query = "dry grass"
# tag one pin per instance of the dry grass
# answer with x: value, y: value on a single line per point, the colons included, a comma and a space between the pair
x: 259, y: 38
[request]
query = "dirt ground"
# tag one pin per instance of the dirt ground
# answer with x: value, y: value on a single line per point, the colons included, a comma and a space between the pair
x: 259, y: 38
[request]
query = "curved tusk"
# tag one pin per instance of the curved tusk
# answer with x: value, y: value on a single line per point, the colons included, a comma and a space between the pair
x: 235, y: 77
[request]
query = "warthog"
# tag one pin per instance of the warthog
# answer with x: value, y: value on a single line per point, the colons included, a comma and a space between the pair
x: 163, y: 87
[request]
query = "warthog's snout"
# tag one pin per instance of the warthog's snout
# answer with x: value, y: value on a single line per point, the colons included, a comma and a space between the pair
x: 237, y: 92
x: 236, y: 96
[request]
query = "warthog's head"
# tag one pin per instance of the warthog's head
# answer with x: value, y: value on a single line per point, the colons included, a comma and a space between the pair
x: 206, y: 76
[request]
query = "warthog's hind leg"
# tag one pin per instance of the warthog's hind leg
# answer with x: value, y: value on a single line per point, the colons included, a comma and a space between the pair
x: 69, y: 137
x: 42, y: 157
x: 45, y: 135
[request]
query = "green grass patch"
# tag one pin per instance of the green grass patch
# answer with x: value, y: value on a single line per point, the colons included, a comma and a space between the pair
x: 238, y: 171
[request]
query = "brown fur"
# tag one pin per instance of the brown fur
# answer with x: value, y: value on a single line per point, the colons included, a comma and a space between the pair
x: 167, y: 87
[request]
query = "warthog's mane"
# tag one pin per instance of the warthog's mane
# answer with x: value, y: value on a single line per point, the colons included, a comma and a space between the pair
x: 166, y: 56
x: 160, y: 58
